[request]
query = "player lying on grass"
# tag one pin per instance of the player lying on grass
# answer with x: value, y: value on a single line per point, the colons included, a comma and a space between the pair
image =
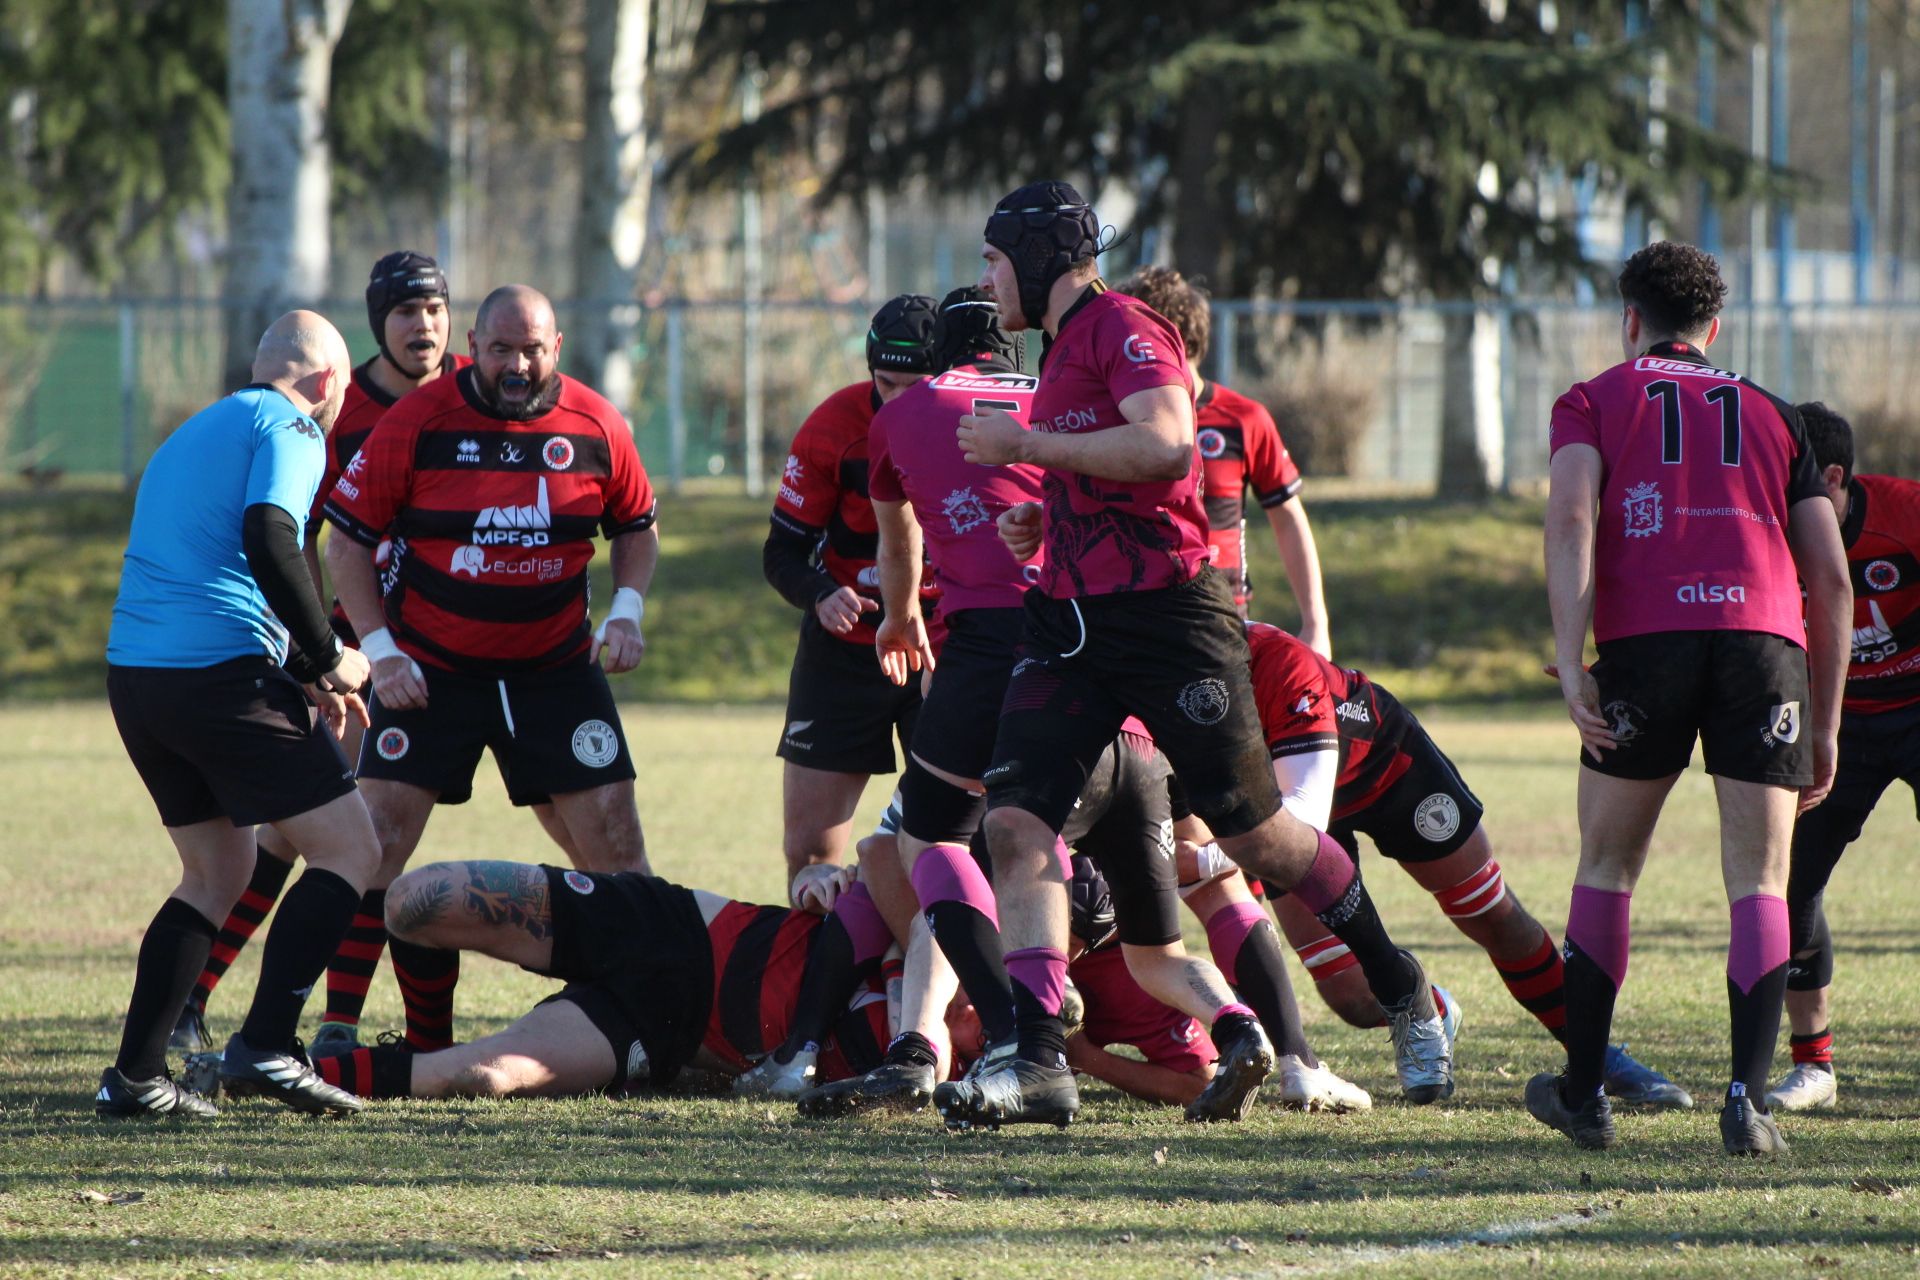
x: 1350, y: 758
x: 1122, y: 821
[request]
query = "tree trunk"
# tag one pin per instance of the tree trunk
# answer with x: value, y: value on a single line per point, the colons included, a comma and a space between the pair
x: 279, y: 70
x: 1200, y: 228
x: 1472, y: 440
x: 611, y: 230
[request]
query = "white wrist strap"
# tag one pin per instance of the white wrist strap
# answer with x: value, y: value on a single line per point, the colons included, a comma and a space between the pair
x: 627, y: 604
x: 1213, y: 865
x: 378, y: 646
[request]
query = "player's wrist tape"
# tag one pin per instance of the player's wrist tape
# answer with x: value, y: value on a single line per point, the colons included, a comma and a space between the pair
x: 379, y: 646
x: 1212, y: 864
x: 627, y: 604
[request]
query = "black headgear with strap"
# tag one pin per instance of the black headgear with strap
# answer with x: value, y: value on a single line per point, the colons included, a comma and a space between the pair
x: 968, y: 325
x: 900, y: 339
x: 1045, y: 229
x: 396, y: 278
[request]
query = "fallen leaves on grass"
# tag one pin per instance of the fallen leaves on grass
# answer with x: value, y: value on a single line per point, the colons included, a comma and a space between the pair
x: 1876, y: 1187
x: 118, y: 1197
x: 1159, y: 1155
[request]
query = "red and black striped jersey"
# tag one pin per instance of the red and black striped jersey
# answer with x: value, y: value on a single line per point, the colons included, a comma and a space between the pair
x: 492, y: 521
x: 1308, y: 704
x: 365, y: 404
x: 1882, y: 533
x: 759, y: 955
x: 1240, y: 447
x: 823, y: 493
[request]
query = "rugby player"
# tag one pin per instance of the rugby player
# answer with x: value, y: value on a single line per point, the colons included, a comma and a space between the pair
x: 659, y: 978
x: 491, y: 484
x: 1127, y: 620
x: 407, y: 310
x: 1683, y: 499
x: 1350, y: 759
x: 1879, y: 734
x: 841, y: 711
x: 216, y: 627
x: 1240, y: 447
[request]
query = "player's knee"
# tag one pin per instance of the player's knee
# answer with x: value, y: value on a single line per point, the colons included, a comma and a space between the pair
x: 1016, y: 838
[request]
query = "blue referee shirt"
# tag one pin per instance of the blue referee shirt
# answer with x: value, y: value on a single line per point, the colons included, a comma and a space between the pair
x: 187, y: 597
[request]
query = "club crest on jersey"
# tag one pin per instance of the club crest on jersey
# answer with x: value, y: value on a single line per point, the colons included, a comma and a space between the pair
x: 580, y: 884
x: 1437, y: 817
x: 1882, y: 575
x: 557, y: 453
x: 1642, y: 505
x: 1212, y: 443
x: 595, y: 744
x: 1204, y: 701
x: 392, y: 743
x: 964, y: 510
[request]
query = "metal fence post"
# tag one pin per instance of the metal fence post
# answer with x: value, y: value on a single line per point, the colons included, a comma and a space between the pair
x: 1223, y: 345
x: 129, y: 387
x: 676, y: 396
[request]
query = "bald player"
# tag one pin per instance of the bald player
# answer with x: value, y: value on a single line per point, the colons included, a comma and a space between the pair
x: 491, y: 485
x: 216, y: 628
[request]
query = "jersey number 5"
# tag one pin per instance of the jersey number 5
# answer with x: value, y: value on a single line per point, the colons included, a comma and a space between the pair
x: 1726, y: 397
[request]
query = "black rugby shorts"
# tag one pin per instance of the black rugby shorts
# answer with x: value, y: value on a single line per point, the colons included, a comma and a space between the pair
x: 551, y: 732
x: 237, y: 740
x: 1427, y: 813
x: 1743, y: 694
x: 1175, y: 657
x: 842, y: 712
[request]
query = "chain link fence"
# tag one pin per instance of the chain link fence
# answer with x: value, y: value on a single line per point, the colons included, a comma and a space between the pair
x: 89, y: 389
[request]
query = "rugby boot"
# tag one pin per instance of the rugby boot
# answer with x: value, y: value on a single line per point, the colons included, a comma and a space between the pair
x: 1305, y: 1088
x: 787, y: 1080
x: 1019, y: 1092
x: 1629, y: 1081
x: 1590, y: 1125
x: 1452, y: 1018
x: 1808, y: 1087
x: 333, y: 1039
x: 122, y: 1099
x: 888, y: 1087
x: 1423, y: 1051
x: 1246, y: 1059
x: 1746, y: 1130
x: 190, y: 1033
x: 283, y: 1074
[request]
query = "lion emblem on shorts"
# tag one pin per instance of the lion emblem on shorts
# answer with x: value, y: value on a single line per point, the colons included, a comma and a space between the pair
x: 1204, y: 701
x: 1437, y: 817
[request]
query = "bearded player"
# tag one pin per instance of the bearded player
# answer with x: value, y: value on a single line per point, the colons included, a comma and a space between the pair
x: 1685, y: 512
x: 491, y: 484
x: 1126, y: 620
x: 407, y: 301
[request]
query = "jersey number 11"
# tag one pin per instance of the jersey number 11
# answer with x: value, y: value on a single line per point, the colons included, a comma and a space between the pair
x: 1726, y: 397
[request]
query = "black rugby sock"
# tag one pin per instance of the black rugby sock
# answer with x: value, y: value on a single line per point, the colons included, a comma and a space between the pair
x: 1391, y: 973
x: 262, y: 891
x: 826, y: 985
x: 1756, y: 1029
x: 972, y: 946
x: 911, y: 1049
x: 1590, y: 993
x: 172, y: 953
x: 1260, y: 977
x: 313, y: 918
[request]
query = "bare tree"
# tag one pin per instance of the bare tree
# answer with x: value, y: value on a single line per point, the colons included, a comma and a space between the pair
x: 611, y: 230
x: 279, y: 69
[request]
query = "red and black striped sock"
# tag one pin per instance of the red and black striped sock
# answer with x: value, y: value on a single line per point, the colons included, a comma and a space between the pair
x: 352, y: 968
x: 380, y: 1071
x: 1539, y: 983
x: 427, y: 977
x: 269, y: 878
x: 1815, y: 1049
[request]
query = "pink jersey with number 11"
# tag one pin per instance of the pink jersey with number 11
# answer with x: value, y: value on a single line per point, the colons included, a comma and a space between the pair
x: 913, y: 456
x: 1701, y: 468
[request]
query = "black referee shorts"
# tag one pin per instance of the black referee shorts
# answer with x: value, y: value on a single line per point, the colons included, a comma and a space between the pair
x: 1176, y: 658
x: 237, y: 740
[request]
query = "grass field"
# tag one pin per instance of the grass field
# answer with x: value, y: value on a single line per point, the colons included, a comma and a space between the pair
x: 700, y: 1186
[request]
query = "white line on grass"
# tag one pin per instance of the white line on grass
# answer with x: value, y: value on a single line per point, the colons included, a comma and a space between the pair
x: 1497, y: 1234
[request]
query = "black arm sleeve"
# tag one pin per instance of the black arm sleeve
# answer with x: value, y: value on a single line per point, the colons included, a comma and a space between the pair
x: 271, y: 541
x: 787, y: 560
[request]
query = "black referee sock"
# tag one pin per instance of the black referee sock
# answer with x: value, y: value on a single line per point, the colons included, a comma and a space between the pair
x: 826, y: 985
x: 172, y: 954
x: 314, y: 916
x: 972, y: 946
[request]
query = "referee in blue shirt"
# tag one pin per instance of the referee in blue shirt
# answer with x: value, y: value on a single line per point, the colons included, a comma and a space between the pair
x: 216, y: 628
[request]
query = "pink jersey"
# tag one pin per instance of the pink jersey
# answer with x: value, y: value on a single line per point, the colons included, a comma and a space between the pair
x: 913, y: 457
x: 1106, y: 536
x: 1701, y: 467
x: 1119, y: 1011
